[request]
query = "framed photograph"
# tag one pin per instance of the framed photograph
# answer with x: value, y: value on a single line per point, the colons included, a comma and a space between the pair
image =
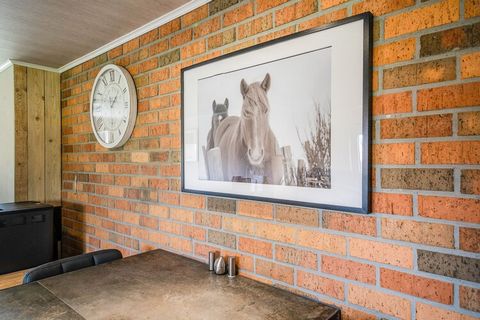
x: 284, y: 121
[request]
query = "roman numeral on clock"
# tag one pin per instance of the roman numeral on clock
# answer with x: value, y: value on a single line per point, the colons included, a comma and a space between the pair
x: 99, y: 122
x: 112, y: 75
x: 104, y: 81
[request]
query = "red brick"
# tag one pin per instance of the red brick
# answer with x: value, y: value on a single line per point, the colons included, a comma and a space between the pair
x: 239, y: 46
x: 322, y: 20
x: 148, y: 37
x: 304, y: 258
x: 325, y: 4
x: 394, y: 153
x: 149, y: 222
x: 277, y: 34
x: 470, y: 181
x: 221, y: 39
x: 181, y: 38
x: 416, y: 127
x: 296, y: 11
x: 472, y: 8
x: 438, y: 235
x: 448, y: 208
x: 194, y: 232
x: 193, y: 49
x: 195, y: 16
x: 455, y: 96
x: 158, y: 210
x: 320, y: 284
x: 206, y: 27
x: 349, y: 269
x: 420, y: 73
x: 238, y: 225
x: 452, y: 152
x: 255, y: 209
x: 395, y: 255
x: 380, y: 7
x: 430, y: 312
x: 354, y: 314
x: 392, y: 103
x: 181, y: 244
x: 159, y: 75
x: 192, y: 201
x: 470, y: 298
x: 275, y: 232
x: 389, y: 53
x: 392, y: 203
x: 303, y: 216
x: 208, y: 219
x: 470, y: 239
x: 256, y: 247
x: 130, y: 45
x: 115, y: 52
x: 470, y: 65
x: 255, y: 26
x: 169, y: 27
x: 375, y: 82
x: 181, y: 215
x: 469, y: 123
x: 274, y: 271
x: 238, y: 14
x: 352, y: 223
x: 383, y: 302
x: 322, y: 241
x: 439, y: 13
x: 264, y: 5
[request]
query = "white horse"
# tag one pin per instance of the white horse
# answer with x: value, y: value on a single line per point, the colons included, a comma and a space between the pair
x: 247, y: 144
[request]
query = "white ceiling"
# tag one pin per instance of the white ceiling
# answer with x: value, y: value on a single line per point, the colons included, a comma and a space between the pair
x: 53, y: 33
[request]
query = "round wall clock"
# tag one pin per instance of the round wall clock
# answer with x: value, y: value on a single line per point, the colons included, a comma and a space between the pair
x: 113, y: 106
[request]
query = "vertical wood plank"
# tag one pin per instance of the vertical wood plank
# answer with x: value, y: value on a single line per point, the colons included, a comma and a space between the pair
x: 21, y: 133
x: 36, y: 134
x: 52, y: 137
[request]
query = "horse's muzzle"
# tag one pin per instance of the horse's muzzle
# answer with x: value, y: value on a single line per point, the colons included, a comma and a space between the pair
x: 256, y: 157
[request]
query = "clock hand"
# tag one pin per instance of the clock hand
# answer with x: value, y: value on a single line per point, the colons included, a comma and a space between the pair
x: 113, y: 102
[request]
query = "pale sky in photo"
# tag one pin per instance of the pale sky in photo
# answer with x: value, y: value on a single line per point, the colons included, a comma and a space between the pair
x: 296, y: 83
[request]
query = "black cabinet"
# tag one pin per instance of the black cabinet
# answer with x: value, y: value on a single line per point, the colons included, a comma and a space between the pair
x: 26, y: 235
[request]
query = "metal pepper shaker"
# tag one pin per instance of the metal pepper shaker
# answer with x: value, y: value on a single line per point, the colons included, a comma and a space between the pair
x: 211, y: 261
x: 232, y: 269
x: 219, y: 265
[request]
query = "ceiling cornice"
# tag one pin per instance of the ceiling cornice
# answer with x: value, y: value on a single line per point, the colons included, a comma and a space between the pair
x: 180, y: 11
x: 5, y: 65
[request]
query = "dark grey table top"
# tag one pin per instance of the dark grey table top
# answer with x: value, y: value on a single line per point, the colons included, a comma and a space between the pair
x: 33, y: 301
x: 163, y: 285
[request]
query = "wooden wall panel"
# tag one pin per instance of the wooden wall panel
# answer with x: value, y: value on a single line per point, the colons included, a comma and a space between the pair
x: 21, y: 131
x: 36, y: 134
x: 53, y: 179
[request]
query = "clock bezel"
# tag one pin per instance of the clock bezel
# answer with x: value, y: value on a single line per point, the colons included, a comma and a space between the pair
x: 132, y: 116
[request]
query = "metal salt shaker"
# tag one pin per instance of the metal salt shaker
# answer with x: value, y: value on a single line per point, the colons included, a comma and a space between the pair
x: 219, y: 265
x: 211, y: 261
x: 232, y: 269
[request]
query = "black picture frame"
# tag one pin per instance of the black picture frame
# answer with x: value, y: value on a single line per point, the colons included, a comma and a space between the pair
x: 367, y: 19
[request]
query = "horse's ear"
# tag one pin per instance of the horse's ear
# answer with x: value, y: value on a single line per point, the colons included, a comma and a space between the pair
x: 266, y: 82
x: 214, y: 104
x: 243, y: 87
x: 226, y: 103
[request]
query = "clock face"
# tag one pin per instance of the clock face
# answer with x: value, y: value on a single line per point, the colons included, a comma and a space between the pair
x: 113, y: 106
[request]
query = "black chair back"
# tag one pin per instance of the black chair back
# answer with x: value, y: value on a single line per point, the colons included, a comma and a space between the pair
x: 57, y: 267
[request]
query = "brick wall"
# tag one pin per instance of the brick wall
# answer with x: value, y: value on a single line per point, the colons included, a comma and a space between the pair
x: 415, y: 257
